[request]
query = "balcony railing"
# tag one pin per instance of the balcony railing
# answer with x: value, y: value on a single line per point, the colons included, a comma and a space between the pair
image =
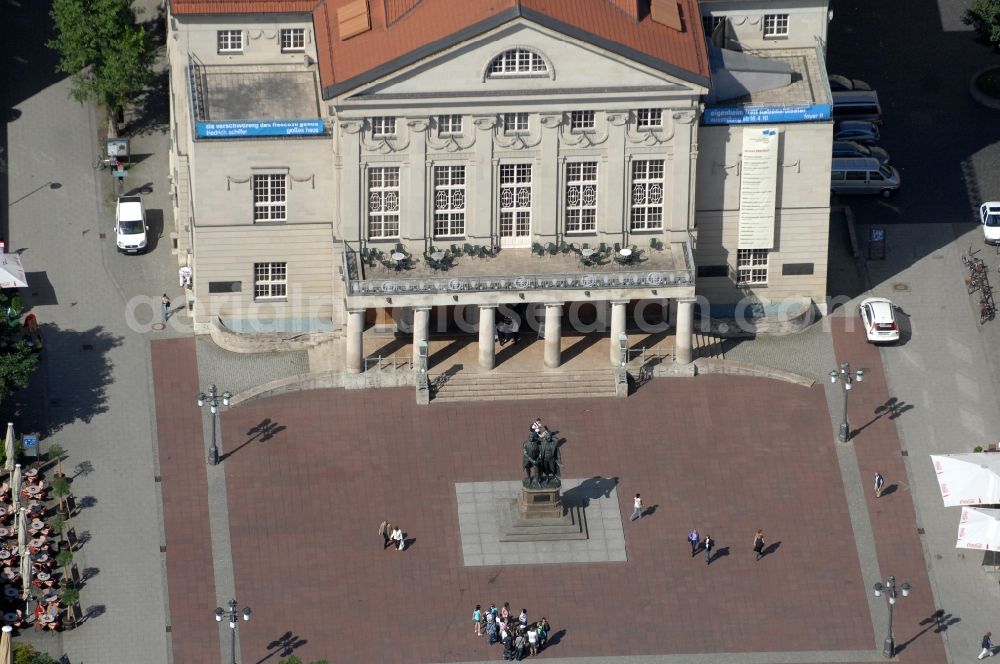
x: 453, y: 284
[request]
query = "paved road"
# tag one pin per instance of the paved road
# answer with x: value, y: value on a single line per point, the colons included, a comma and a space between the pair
x: 93, y: 392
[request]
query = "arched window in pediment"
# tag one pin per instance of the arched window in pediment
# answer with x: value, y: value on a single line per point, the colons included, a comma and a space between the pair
x: 517, y: 62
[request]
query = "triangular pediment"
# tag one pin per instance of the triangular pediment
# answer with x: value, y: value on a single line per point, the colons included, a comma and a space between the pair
x: 572, y: 67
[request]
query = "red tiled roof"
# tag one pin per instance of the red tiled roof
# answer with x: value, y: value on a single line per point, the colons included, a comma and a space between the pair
x: 181, y: 7
x: 404, y: 30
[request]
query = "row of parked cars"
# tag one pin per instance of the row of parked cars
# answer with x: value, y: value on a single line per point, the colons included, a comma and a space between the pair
x: 859, y: 165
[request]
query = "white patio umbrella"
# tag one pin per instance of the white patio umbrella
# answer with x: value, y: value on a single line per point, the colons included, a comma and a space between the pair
x: 22, y: 529
x: 968, y: 479
x: 15, y: 487
x: 8, y: 447
x: 979, y: 528
x: 25, y: 576
x: 12, y: 272
x: 6, y: 648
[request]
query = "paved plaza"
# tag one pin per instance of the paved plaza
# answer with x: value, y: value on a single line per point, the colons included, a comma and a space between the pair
x: 725, y: 455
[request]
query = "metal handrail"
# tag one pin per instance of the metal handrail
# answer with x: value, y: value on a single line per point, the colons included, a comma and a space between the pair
x: 646, y: 352
x: 382, y: 363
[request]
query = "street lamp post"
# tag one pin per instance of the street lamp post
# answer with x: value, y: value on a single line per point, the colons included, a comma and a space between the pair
x: 846, y: 380
x: 889, y: 646
x: 212, y: 398
x: 220, y: 613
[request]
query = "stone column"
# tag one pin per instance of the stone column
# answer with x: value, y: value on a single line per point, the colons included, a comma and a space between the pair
x: 665, y: 311
x: 617, y: 328
x: 421, y: 326
x: 355, y: 348
x: 487, y: 330
x: 685, y: 331
x: 553, y: 335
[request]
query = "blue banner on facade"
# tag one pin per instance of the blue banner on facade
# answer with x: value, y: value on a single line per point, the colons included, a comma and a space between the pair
x: 730, y: 115
x: 246, y: 128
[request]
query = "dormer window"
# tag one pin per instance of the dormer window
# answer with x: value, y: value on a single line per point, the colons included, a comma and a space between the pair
x: 517, y: 62
x: 384, y: 126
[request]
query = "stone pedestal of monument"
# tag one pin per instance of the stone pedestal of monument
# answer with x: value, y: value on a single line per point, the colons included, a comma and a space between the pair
x: 538, y: 514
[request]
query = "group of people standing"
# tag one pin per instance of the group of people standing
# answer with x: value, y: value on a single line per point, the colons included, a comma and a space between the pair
x: 391, y: 533
x: 517, y: 634
x: 707, y: 544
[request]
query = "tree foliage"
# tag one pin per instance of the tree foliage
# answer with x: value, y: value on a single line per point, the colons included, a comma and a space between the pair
x: 25, y: 653
x: 100, y: 45
x: 17, y: 360
x: 984, y: 17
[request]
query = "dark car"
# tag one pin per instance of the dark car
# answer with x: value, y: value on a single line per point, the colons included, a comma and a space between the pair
x: 858, y: 131
x: 855, y: 149
x: 840, y: 83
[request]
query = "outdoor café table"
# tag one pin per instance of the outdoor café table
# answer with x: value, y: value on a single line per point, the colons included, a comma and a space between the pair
x: 11, y: 591
x: 42, y: 558
x: 31, y: 473
x: 42, y: 576
x: 51, y: 597
x: 5, y: 532
x: 398, y: 256
x: 626, y: 254
x: 36, y: 508
x: 37, y: 524
x: 46, y: 620
x: 9, y: 617
x: 4, y: 554
x: 33, y: 490
x: 438, y: 255
x: 37, y: 542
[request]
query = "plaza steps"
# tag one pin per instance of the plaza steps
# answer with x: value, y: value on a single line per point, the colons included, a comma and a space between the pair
x: 510, y: 385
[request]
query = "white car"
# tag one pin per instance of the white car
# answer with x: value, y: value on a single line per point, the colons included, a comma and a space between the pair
x: 130, y: 225
x: 879, y: 318
x: 989, y: 217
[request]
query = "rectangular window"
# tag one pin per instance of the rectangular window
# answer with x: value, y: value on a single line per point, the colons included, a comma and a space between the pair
x: 648, y: 118
x: 383, y: 202
x: 775, y: 25
x: 647, y: 194
x: 449, y: 201
x: 581, y: 197
x: 230, y: 41
x: 384, y: 126
x: 293, y: 40
x: 751, y: 266
x: 710, y: 23
x: 270, y: 281
x: 449, y: 125
x: 515, y: 200
x: 582, y: 121
x: 515, y: 123
x: 269, y: 202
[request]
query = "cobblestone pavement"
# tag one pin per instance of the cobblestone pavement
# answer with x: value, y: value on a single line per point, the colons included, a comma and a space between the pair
x: 237, y: 372
x: 317, y: 573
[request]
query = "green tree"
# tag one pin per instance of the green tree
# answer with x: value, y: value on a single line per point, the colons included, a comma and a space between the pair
x: 107, y: 54
x: 984, y: 17
x: 17, y: 361
x: 25, y: 653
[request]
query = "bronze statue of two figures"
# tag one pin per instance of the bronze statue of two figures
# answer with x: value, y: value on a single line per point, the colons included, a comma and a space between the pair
x: 542, y: 461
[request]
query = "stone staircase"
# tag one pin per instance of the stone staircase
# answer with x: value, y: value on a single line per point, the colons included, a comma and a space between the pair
x: 506, y: 385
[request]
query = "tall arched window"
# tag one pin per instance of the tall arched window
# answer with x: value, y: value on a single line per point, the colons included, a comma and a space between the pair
x: 517, y: 62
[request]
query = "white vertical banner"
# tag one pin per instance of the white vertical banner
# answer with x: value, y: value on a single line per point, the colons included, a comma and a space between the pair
x: 758, y: 180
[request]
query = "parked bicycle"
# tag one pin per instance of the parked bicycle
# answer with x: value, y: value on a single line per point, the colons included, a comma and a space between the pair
x: 987, y: 307
x: 105, y: 162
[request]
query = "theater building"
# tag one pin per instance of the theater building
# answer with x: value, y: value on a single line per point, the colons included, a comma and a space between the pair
x: 341, y: 164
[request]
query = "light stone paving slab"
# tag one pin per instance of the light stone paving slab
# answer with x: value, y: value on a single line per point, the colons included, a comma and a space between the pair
x: 480, y: 536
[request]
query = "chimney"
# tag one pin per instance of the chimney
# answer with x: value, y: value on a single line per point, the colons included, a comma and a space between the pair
x: 666, y: 12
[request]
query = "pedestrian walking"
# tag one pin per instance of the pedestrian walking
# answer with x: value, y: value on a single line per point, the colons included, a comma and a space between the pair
x: 477, y: 617
x: 165, y: 301
x: 533, y: 639
x: 879, y: 483
x: 636, y: 508
x: 708, y: 544
x: 695, y: 541
x: 987, y: 646
x: 758, y: 544
x: 523, y: 618
x: 519, y: 644
x: 397, y: 536
x: 491, y: 629
x: 494, y: 611
x: 385, y: 530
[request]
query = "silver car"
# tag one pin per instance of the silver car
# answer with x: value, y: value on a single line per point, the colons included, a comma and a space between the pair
x: 858, y: 131
x: 855, y: 149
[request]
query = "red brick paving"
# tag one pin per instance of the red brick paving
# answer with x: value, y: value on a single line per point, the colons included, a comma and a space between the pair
x: 892, y: 516
x: 727, y: 455
x: 184, y: 488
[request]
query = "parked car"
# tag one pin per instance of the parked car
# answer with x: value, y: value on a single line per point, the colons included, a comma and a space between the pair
x: 856, y: 105
x: 989, y: 217
x: 858, y: 131
x: 879, y: 317
x: 130, y: 225
x: 840, y: 83
x: 863, y: 176
x: 855, y: 149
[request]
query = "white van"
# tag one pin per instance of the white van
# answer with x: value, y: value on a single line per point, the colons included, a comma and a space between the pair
x: 863, y: 176
x: 856, y: 105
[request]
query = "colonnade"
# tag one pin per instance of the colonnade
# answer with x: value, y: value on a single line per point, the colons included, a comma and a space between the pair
x: 684, y: 330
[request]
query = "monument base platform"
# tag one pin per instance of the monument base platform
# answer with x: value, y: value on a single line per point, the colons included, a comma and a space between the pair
x: 570, y: 524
